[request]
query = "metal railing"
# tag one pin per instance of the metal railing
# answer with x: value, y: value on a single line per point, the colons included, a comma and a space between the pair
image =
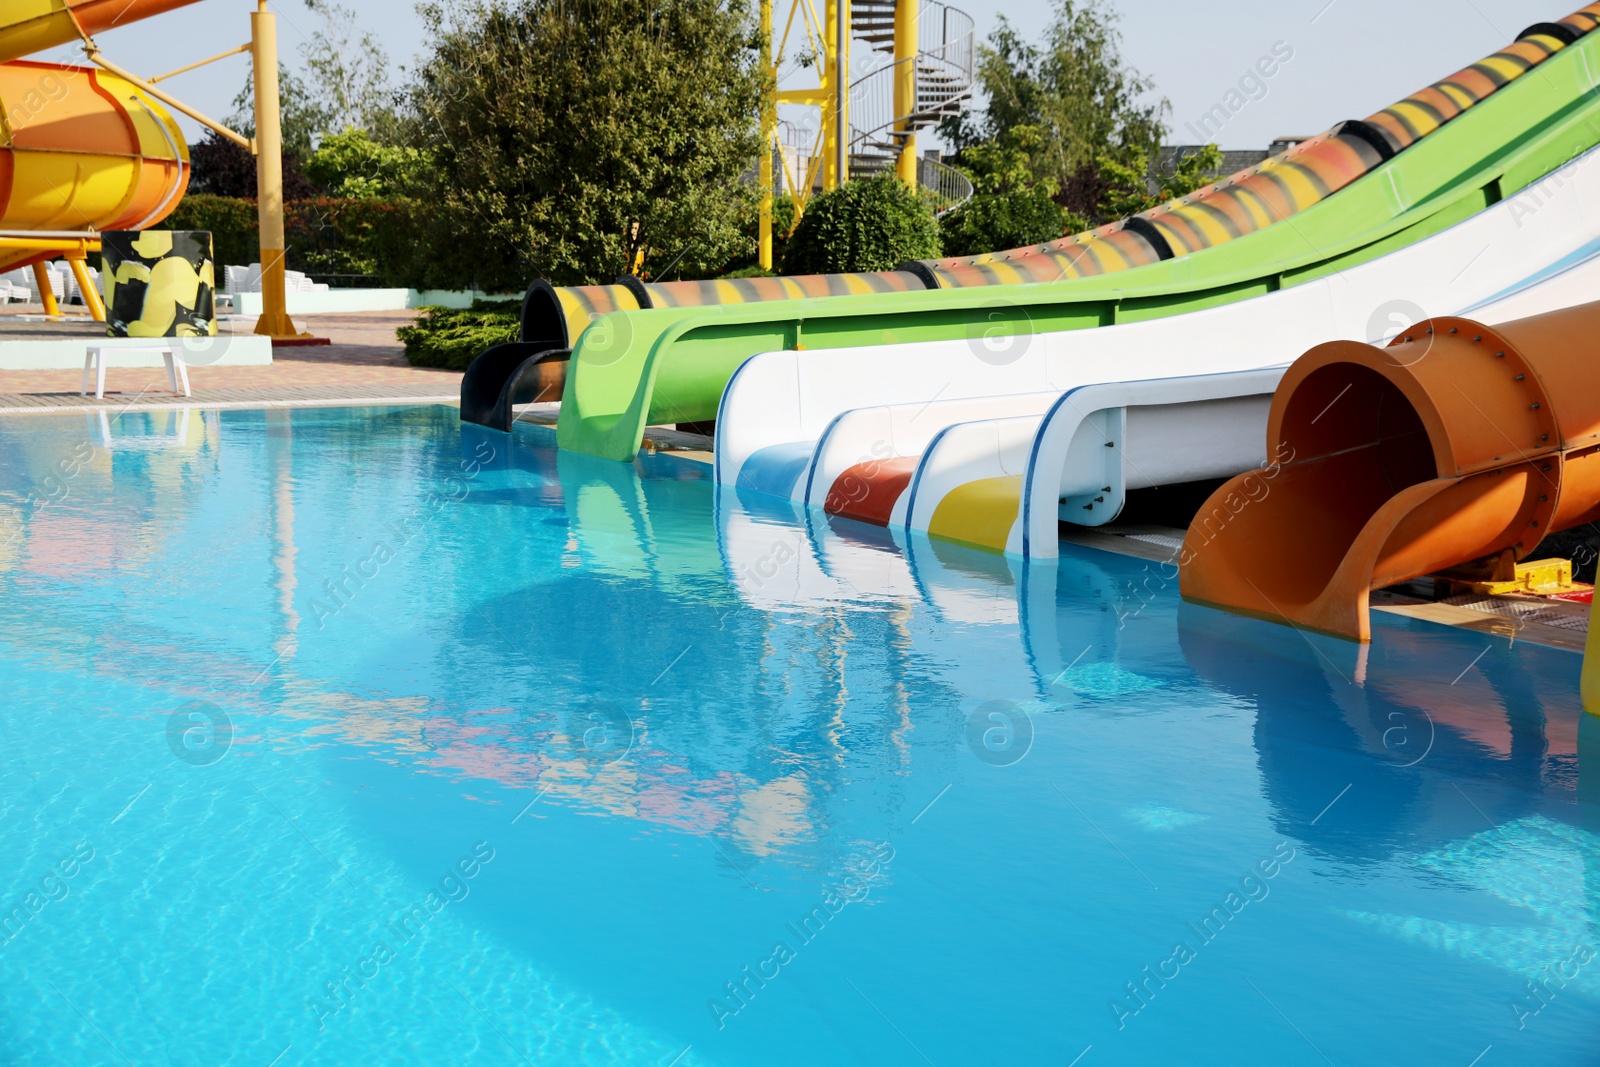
x: 943, y: 78
x: 943, y: 184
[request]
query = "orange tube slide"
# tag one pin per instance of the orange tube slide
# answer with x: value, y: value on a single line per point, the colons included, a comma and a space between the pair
x: 82, y: 150
x: 1456, y: 442
x: 29, y: 26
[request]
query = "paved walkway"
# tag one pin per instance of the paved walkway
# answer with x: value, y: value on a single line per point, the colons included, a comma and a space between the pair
x: 364, y: 364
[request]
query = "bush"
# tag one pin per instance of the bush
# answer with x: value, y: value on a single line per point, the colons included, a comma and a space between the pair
x: 453, y: 337
x: 864, y: 225
x: 994, y: 222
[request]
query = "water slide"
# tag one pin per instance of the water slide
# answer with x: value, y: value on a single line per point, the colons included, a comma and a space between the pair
x: 1410, y: 170
x: 29, y: 26
x: 84, y: 150
x: 1458, y: 441
x: 938, y: 439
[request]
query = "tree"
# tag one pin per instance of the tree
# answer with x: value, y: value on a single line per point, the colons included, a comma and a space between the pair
x: 864, y: 225
x: 583, y: 139
x: 349, y: 73
x: 346, y: 84
x: 301, y: 117
x: 1075, y: 88
x: 353, y: 165
x: 222, y: 168
x: 1128, y: 188
x: 1011, y: 206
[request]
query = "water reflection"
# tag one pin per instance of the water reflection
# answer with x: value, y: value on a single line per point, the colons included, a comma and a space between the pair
x: 708, y: 707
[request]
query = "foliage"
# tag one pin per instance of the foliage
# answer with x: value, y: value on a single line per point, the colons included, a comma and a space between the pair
x: 302, y: 117
x: 349, y: 73
x: 864, y: 225
x: 403, y: 243
x: 1075, y: 89
x: 221, y: 167
x: 231, y: 222
x: 784, y: 218
x: 583, y: 139
x: 1195, y: 171
x: 347, y: 84
x: 1127, y: 187
x: 453, y: 338
x: 1004, y: 163
x: 353, y: 166
x: 991, y: 222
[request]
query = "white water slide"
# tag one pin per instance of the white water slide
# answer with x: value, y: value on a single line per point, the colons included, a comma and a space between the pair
x: 993, y: 444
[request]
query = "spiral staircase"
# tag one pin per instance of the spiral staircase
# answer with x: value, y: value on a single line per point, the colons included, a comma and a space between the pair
x: 943, y: 66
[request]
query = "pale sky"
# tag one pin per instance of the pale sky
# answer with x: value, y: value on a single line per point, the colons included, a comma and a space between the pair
x: 1350, y: 57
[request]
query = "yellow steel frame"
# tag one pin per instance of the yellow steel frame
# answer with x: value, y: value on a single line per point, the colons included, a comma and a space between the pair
x: 828, y: 37
x: 830, y: 96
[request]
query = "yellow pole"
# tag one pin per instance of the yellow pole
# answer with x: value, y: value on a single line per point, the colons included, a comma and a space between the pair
x: 841, y: 89
x: 905, y: 85
x: 274, y: 321
x: 769, y: 124
x: 47, y: 295
x: 86, y: 286
x: 825, y: 65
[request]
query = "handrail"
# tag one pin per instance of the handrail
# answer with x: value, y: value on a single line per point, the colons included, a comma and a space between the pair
x: 872, y: 96
x: 947, y: 187
x: 943, y: 77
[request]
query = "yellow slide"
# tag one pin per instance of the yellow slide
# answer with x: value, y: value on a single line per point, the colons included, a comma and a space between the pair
x: 81, y: 150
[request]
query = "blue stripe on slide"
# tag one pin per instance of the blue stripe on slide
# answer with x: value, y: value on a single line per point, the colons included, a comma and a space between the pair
x: 1560, y: 266
x: 776, y: 469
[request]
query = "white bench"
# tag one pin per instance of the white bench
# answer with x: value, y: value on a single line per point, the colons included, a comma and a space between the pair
x: 95, y: 359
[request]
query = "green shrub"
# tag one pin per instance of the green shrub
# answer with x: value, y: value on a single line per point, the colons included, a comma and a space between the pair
x: 994, y: 222
x: 864, y: 225
x: 453, y: 337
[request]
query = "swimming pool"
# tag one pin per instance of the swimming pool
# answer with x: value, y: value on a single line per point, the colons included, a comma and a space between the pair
x: 347, y: 736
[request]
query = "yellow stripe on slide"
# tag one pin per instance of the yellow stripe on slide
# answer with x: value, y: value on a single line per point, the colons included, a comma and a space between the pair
x: 1422, y: 119
x: 1210, y: 228
x: 1301, y: 189
x: 979, y: 513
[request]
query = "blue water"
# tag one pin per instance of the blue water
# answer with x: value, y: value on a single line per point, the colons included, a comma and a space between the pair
x: 359, y: 737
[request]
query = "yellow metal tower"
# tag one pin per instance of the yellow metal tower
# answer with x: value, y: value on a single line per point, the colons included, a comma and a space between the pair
x: 869, y: 124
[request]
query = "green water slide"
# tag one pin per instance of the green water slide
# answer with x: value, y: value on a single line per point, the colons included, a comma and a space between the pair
x: 630, y: 369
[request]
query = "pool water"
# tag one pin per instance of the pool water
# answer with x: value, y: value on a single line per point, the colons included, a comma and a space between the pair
x: 358, y: 736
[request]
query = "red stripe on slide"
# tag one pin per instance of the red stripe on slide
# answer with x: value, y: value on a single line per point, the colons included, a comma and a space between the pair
x: 867, y: 491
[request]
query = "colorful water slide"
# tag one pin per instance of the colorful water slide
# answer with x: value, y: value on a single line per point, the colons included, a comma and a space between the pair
x: 947, y: 439
x: 1459, y: 441
x: 1445, y: 173
x: 87, y: 152
x: 29, y: 26
x: 83, y: 150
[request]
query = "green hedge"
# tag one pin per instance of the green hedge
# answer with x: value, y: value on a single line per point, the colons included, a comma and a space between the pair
x: 232, y: 224
x: 403, y: 244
